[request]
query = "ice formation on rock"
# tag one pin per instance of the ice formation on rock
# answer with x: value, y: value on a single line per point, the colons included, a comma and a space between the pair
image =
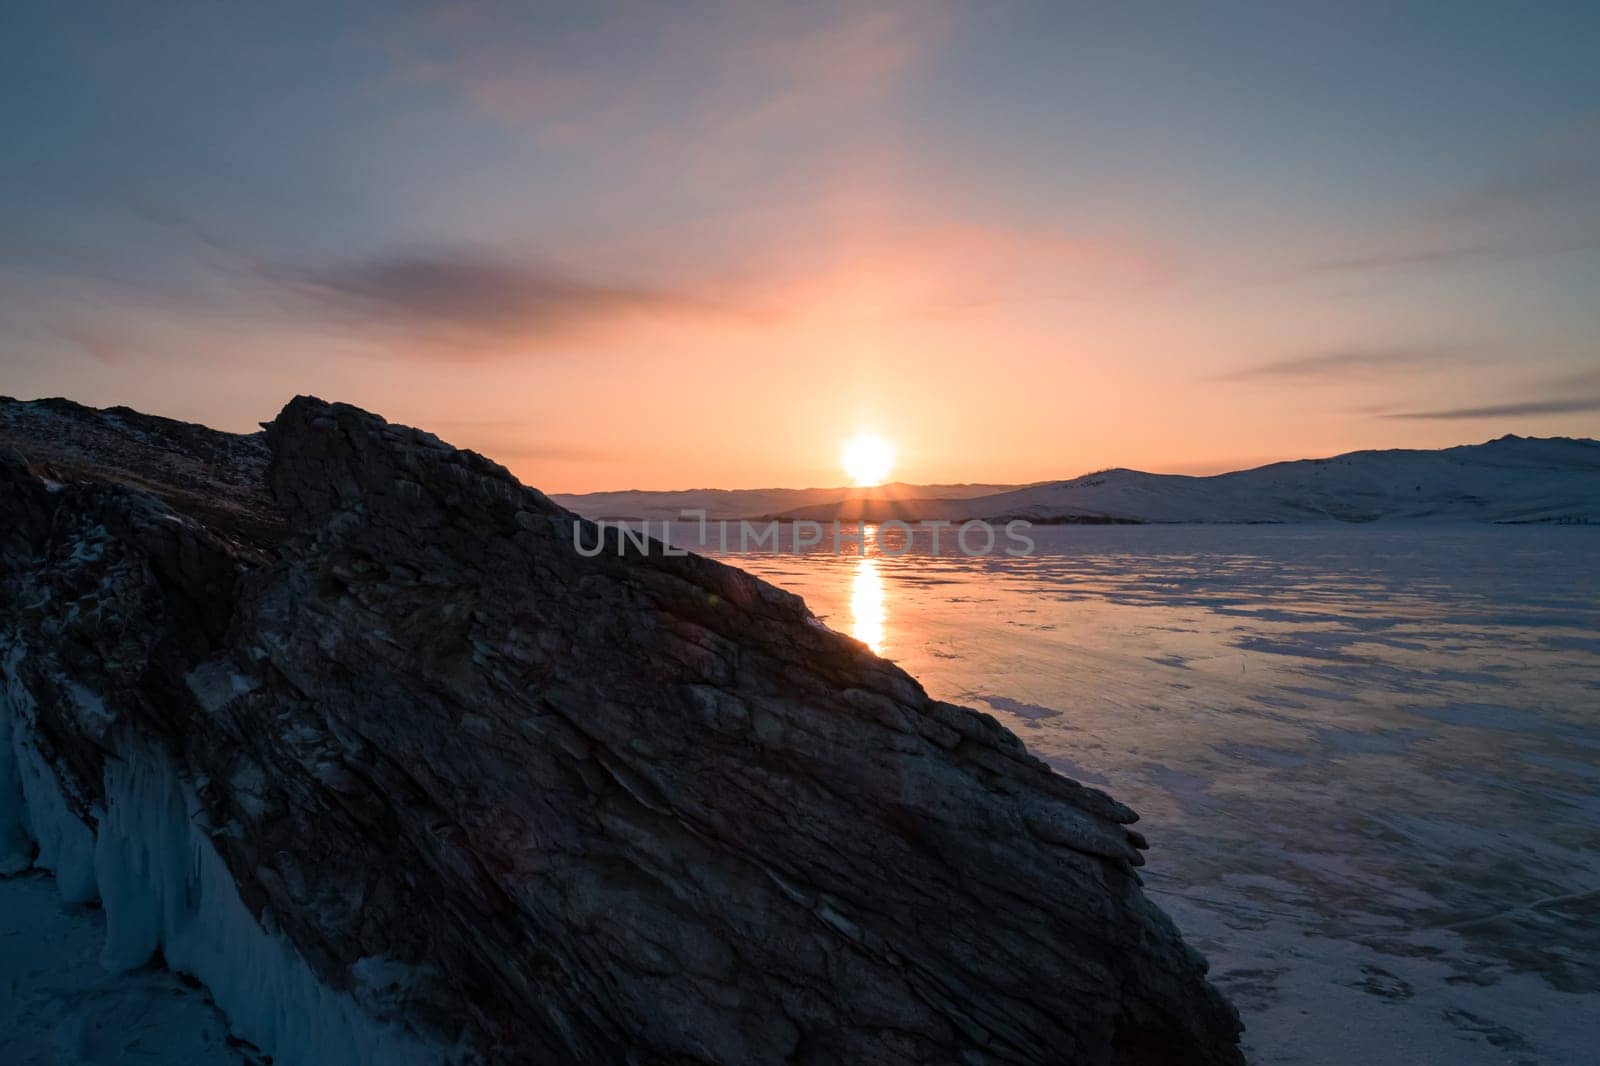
x: 166, y: 894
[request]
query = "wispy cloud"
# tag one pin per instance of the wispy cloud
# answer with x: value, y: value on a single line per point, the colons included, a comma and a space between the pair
x: 1341, y: 365
x: 597, y: 74
x: 1545, y: 201
x: 459, y: 299
x: 1454, y: 255
x: 1406, y: 257
x: 98, y: 343
x: 470, y: 291
x: 1561, y: 171
x: 854, y: 257
x: 1577, y: 405
x: 1577, y: 392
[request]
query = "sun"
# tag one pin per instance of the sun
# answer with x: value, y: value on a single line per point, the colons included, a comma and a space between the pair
x: 868, y: 459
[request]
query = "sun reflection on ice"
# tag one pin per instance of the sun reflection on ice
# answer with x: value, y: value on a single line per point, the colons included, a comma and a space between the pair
x: 867, y: 613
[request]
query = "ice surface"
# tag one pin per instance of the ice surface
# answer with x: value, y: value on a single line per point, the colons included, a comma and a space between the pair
x: 59, y: 1008
x: 1367, y: 757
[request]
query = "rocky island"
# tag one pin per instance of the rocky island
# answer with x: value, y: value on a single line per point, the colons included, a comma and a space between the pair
x: 335, y: 719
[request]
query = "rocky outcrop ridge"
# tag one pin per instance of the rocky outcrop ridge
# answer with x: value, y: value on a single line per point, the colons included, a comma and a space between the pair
x: 499, y: 801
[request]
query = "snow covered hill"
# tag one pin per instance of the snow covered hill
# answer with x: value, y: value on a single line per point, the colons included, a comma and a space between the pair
x: 1512, y: 479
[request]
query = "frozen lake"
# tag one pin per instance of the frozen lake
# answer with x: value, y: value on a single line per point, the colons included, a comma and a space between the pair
x: 1367, y: 758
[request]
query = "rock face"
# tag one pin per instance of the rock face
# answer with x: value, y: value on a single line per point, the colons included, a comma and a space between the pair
x: 490, y: 799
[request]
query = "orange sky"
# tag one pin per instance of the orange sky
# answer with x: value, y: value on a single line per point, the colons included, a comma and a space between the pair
x: 666, y: 247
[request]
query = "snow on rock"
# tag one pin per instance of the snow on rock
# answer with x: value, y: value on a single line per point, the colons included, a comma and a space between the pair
x: 213, y: 685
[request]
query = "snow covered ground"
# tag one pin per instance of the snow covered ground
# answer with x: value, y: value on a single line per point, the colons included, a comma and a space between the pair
x: 1367, y: 757
x: 59, y: 1007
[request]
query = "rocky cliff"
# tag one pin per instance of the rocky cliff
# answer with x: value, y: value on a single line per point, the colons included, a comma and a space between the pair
x: 336, y: 718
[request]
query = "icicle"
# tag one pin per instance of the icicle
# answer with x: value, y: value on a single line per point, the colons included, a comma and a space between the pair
x: 66, y: 845
x: 16, y: 840
x: 165, y: 887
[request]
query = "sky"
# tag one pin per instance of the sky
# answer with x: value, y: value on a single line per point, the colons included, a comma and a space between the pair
x: 686, y: 245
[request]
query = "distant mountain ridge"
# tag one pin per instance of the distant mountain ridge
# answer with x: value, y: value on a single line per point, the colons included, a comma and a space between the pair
x: 750, y: 503
x: 1510, y: 479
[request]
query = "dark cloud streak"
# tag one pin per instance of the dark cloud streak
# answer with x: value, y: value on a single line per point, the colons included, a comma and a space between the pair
x: 1561, y: 173
x: 1338, y: 365
x: 464, y: 290
x: 1577, y: 405
x: 1460, y: 255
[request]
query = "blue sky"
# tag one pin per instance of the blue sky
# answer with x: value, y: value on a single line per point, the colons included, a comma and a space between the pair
x: 664, y: 245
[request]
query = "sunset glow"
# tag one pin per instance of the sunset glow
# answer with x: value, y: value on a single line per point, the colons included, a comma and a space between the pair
x: 1057, y: 276
x: 868, y: 460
